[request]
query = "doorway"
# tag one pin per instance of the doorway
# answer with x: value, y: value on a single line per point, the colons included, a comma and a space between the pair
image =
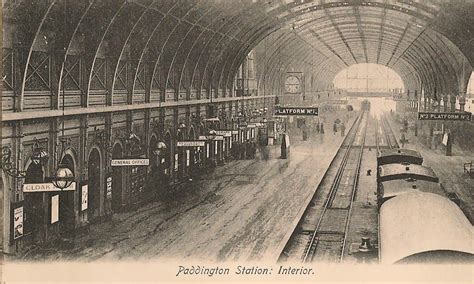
x: 33, y: 202
x: 66, y: 201
x: 94, y: 174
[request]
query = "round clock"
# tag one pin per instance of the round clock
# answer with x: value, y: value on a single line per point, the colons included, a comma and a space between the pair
x: 292, y: 84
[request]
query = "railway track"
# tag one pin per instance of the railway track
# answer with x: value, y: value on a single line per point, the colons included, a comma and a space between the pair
x: 388, y: 139
x: 389, y: 134
x: 321, y: 233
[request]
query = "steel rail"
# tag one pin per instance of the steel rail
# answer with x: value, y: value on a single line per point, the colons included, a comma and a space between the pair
x: 389, y: 134
x: 377, y: 138
x: 354, y: 189
x: 309, y: 251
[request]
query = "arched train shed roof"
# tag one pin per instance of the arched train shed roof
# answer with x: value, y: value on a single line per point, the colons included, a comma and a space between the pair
x: 199, y: 44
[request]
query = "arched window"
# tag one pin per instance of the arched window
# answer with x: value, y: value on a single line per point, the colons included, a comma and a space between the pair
x: 470, y: 85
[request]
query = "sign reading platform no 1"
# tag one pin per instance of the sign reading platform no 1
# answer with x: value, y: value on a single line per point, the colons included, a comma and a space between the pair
x: 310, y: 111
x: 462, y: 116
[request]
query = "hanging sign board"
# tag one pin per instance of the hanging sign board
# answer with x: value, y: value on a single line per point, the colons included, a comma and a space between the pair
x: 54, y: 209
x: 253, y: 125
x: 460, y: 116
x: 109, y: 187
x: 17, y: 221
x: 225, y: 133
x: 235, y: 132
x: 445, y: 139
x: 176, y: 162
x: 311, y: 111
x: 337, y: 102
x: 84, y: 197
x: 190, y: 144
x: 398, y: 97
x: 44, y: 187
x: 188, y: 157
x: 215, y: 137
x: 130, y: 162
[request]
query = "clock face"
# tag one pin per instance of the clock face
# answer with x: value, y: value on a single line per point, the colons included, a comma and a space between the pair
x: 292, y: 84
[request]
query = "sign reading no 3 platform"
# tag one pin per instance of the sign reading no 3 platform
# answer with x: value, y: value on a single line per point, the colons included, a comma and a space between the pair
x: 459, y: 116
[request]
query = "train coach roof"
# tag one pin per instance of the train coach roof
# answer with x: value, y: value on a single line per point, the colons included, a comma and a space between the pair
x: 399, y: 152
x: 396, y: 171
x: 419, y: 222
x: 400, y: 186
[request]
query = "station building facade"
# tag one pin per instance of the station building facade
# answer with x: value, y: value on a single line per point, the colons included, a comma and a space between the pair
x: 91, y: 113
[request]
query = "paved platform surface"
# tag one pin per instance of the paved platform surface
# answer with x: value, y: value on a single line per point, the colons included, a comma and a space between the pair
x: 449, y: 169
x: 242, y: 211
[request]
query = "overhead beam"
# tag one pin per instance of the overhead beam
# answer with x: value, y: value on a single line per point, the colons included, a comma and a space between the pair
x: 361, y: 32
x: 326, y: 12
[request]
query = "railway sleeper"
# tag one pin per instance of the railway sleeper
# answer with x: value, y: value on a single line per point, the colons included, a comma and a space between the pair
x: 329, y: 235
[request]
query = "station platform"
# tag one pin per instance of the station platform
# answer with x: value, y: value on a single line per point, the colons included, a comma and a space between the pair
x: 449, y: 169
x: 244, y: 210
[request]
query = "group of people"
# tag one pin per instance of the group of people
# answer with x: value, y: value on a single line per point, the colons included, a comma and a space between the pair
x: 245, y: 150
x: 320, y: 127
x: 337, y: 125
x: 342, y: 127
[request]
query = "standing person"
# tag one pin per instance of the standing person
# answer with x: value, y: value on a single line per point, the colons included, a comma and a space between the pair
x: 322, y: 127
x: 334, y: 128
x: 343, y: 129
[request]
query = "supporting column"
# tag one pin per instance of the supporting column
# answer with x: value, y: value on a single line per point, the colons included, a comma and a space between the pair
x: 107, y: 157
x: 449, y: 143
x: 12, y: 192
x: 173, y: 149
x: 415, y: 122
x: 425, y: 100
x: 453, y: 102
x: 462, y: 101
x: 445, y: 102
x: 82, y: 167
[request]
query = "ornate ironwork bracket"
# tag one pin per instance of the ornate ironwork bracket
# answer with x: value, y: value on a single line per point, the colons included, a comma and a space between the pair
x: 8, y: 165
x: 100, y: 137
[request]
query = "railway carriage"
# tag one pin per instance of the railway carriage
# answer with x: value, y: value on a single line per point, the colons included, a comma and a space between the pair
x: 365, y: 105
x: 422, y: 227
x: 392, y: 188
x: 404, y: 171
x: 392, y: 156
